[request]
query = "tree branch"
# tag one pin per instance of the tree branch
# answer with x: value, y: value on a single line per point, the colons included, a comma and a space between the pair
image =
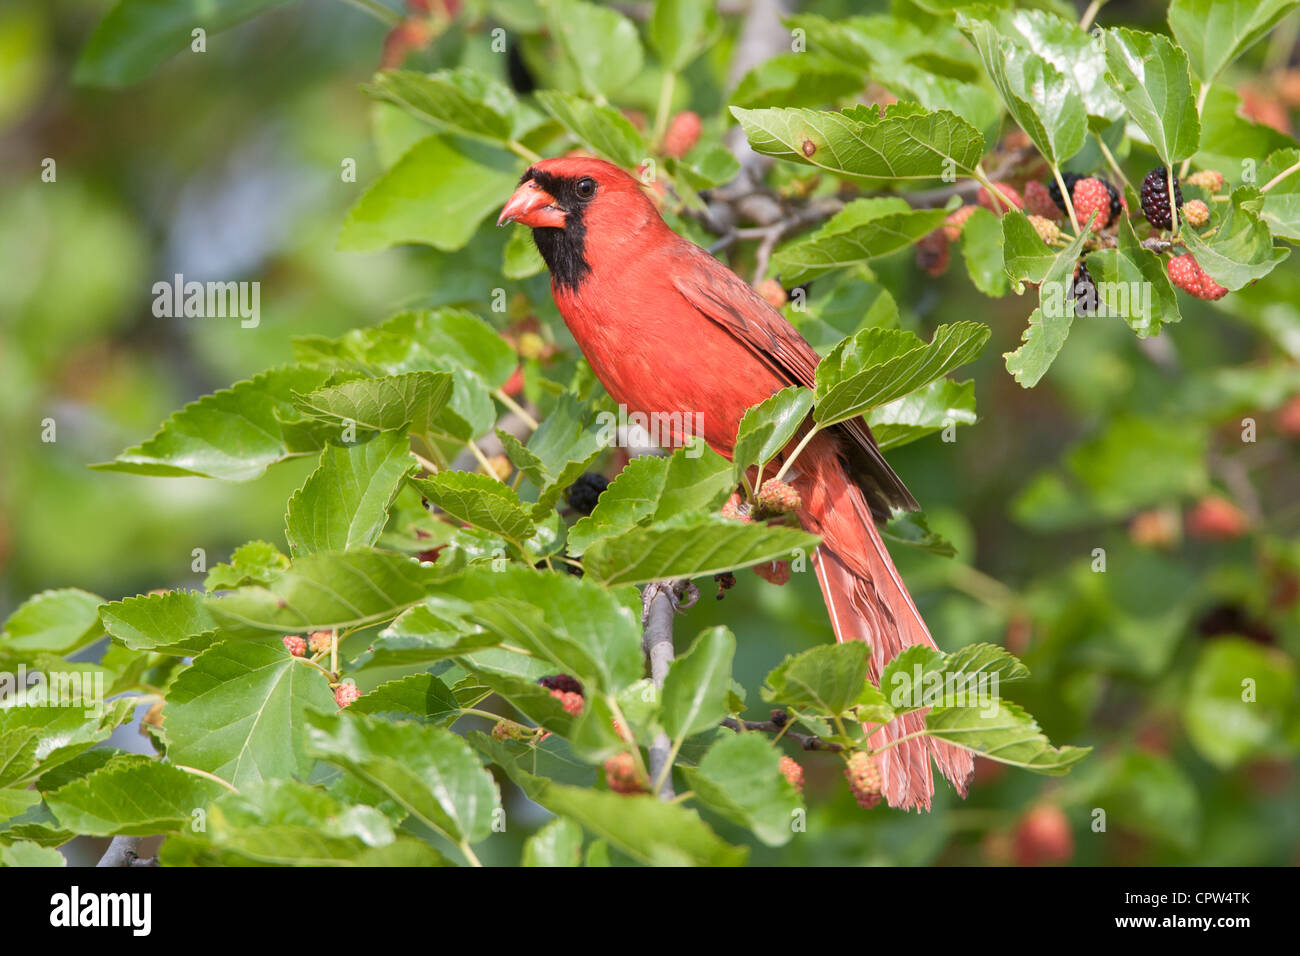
x: 123, y: 851
x: 778, y: 724
x: 661, y: 601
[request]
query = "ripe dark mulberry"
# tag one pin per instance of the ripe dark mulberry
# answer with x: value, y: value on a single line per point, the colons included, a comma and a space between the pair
x: 1083, y: 291
x: 561, y: 682
x: 1155, y: 198
x: 584, y: 492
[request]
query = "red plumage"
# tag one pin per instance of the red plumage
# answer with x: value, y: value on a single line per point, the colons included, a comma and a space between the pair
x: 669, y: 329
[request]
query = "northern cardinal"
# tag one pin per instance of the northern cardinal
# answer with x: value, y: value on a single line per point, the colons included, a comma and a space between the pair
x: 669, y: 329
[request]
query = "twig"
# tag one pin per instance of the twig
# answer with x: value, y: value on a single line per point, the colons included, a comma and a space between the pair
x: 661, y: 602
x: 781, y: 727
x: 123, y: 851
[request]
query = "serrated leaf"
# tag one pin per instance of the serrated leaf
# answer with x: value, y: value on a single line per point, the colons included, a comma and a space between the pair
x: 740, y: 778
x: 480, y: 500
x: 421, y: 696
x: 679, y: 30
x: 1151, y: 78
x: 927, y: 410
x: 1002, y: 731
x: 430, y: 772
x: 826, y: 680
x: 1049, y: 325
x: 462, y: 101
x: 694, y: 695
x: 569, y: 439
x: 795, y: 79
x: 436, y: 195
x: 559, y: 843
x: 1215, y: 32
x: 149, y: 621
x: 600, y: 42
x: 131, y: 796
x: 768, y: 427
x: 604, y: 129
x: 689, y: 548
x: 390, y: 403
x: 1035, y: 92
x: 1026, y: 256
x: 981, y: 250
x: 34, y: 740
x: 344, y: 503
x: 1133, y: 284
x: 238, y: 712
x: 60, y: 621
x: 906, y: 142
x: 861, y: 231
x: 1281, y: 209
x: 1073, y: 51
x: 332, y: 589
x: 647, y: 829
x: 1241, y: 249
x: 235, y: 434
x: 877, y: 366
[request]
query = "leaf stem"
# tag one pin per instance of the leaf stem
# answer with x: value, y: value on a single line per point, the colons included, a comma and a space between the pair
x: 1090, y: 14
x: 1279, y: 177
x: 515, y: 407
x: 376, y: 10
x: 482, y: 459
x: 664, y: 105
x: 1110, y: 161
x: 522, y: 151
x: 803, y: 443
x: 1065, y: 193
x: 207, y: 776
x: 469, y: 853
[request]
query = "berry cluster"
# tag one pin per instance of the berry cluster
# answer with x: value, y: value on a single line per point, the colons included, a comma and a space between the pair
x: 1155, y: 198
x: 863, y: 775
x: 1186, y: 273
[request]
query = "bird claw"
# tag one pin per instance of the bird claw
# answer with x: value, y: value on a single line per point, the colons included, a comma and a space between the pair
x: 681, y: 595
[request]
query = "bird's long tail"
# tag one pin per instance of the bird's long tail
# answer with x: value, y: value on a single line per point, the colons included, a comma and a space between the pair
x: 867, y: 601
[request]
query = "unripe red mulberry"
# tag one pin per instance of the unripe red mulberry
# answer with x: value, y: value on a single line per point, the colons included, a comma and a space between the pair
x: 1039, y: 202
x: 1046, y: 229
x: 295, y: 645
x: 863, y: 775
x: 621, y: 774
x: 1216, y: 518
x: 778, y: 497
x: 791, y: 770
x: 1210, y: 180
x: 953, y: 222
x: 1288, y: 418
x: 319, y: 642
x: 1186, y: 273
x: 774, y: 572
x: 683, y: 133
x: 346, y: 694
x: 1156, y: 528
x: 735, y: 510
x: 1007, y: 197
x: 572, y: 703
x: 773, y: 292
x: 1043, y: 836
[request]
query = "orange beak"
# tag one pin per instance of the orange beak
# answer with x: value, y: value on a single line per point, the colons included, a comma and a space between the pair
x: 533, y: 206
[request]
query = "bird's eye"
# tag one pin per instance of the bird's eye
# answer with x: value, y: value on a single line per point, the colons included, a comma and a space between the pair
x: 585, y: 187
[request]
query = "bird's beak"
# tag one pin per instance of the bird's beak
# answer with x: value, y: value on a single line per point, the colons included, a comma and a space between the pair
x: 533, y: 206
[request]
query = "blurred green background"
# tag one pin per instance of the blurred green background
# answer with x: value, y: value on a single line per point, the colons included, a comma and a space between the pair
x: 226, y: 165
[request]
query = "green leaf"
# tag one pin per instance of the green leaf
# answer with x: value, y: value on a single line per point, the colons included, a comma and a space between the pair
x: 981, y: 248
x: 137, y: 36
x: 436, y: 194
x: 1281, y: 209
x: 149, y: 621
x: 1049, y: 325
x: 694, y: 697
x: 1036, y: 93
x: 1239, y: 700
x: 430, y: 772
x: 826, y: 680
x: 417, y: 637
x: 26, y: 853
x: 1141, y: 461
x: 257, y: 562
x: 131, y: 796
x: 34, y: 740
x: 1026, y: 256
x: 235, y: 434
x: 861, y: 231
x: 690, y: 548
x: 647, y: 829
x: 344, y: 503
x: 332, y: 589
x: 906, y: 142
x: 1215, y: 32
x: 383, y: 404
x: 694, y: 480
x: 1228, y: 137
x: 480, y: 500
x: 877, y: 366
x: 559, y: 843
x: 796, y: 79
x: 569, y: 439
x: 421, y: 696
x: 59, y: 621
x: 912, y: 528
x: 461, y: 101
x: 680, y: 30
x: 521, y: 260
x: 1241, y: 249
x: 603, y: 128
x: 601, y: 43
x: 768, y: 427
x: 740, y: 777
x: 14, y: 802
x: 1151, y: 78
x: 587, y: 631
x: 238, y: 712
x: 287, y: 823
x: 1133, y: 284
x: 1002, y: 731
x: 927, y: 410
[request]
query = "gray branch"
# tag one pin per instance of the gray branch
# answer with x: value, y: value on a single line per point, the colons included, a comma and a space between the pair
x: 661, y: 602
x: 123, y: 851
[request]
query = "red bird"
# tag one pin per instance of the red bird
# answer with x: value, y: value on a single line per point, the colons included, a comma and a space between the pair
x: 669, y: 329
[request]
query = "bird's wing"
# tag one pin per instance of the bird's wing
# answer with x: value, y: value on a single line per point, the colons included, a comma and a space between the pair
x: 724, y: 298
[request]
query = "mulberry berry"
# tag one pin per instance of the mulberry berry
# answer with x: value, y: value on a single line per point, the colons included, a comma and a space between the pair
x: 295, y: 645
x: 778, y: 497
x: 1038, y: 201
x: 1091, y: 196
x: 863, y: 776
x: 621, y: 775
x: 955, y: 220
x: 583, y: 493
x: 1155, y: 198
x: 1083, y: 291
x: 791, y: 770
x: 1007, y: 196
